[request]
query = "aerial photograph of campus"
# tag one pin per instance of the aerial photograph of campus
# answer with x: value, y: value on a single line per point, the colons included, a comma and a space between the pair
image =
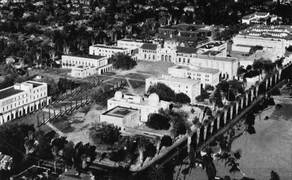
x: 145, y: 89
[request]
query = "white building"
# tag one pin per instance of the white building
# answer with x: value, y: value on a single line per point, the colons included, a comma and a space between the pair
x: 108, y: 51
x: 255, y: 17
x: 213, y: 48
x: 148, y: 52
x: 83, y: 66
x: 145, y: 105
x: 22, y: 98
x: 204, y: 75
x: 226, y: 65
x: 275, y: 38
x: 190, y: 87
x: 129, y: 43
x: 122, y: 117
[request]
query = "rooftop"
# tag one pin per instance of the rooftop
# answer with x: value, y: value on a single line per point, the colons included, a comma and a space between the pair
x: 35, y: 84
x: 149, y: 46
x: 178, y: 38
x: 86, y: 56
x: 4, y: 93
x: 212, y: 44
x: 213, y: 53
x: 230, y: 59
x: 119, y: 111
x: 31, y: 173
x: 108, y: 47
x: 176, y: 80
x: 197, y: 69
x: 188, y: 50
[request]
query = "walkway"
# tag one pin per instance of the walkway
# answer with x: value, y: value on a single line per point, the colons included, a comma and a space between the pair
x: 55, y: 129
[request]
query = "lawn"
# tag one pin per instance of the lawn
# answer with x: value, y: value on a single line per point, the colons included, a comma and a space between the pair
x: 137, y: 84
x: 152, y: 68
x: 63, y: 124
x: 116, y: 81
x: 136, y: 76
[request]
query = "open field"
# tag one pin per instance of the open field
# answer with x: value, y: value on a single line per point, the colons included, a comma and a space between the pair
x: 137, y: 76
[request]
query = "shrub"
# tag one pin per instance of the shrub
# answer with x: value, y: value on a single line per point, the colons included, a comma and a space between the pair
x: 102, y: 133
x: 122, y: 61
x: 164, y: 92
x: 208, y: 87
x: 182, y: 98
x: 157, y: 122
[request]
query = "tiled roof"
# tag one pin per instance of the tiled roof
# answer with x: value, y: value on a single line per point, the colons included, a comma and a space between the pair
x: 149, y: 46
x: 187, y: 50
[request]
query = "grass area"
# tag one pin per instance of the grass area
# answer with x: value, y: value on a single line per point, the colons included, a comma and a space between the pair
x: 136, y: 76
x: 116, y: 80
x: 63, y: 124
x: 103, y: 77
x: 137, y: 84
x: 153, y: 68
x: 109, y: 74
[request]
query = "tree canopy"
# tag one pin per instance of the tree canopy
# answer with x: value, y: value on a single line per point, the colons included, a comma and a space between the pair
x: 158, y: 122
x: 103, y: 133
x: 164, y: 92
x: 182, y: 98
x: 122, y: 61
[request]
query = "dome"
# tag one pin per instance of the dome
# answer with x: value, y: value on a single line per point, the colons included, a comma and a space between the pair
x: 153, y: 99
x: 118, y: 95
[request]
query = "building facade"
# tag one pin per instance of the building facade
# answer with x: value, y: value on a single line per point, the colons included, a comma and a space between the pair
x: 21, y: 99
x: 83, y: 66
x: 129, y: 43
x: 122, y: 117
x: 145, y: 105
x: 108, y: 51
x: 190, y: 87
x: 206, y: 76
x: 255, y: 17
x: 148, y: 52
x: 275, y: 38
x: 226, y: 65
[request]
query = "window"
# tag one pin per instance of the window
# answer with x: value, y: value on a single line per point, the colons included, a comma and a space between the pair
x: 198, y: 78
x: 206, y: 75
x: 198, y: 74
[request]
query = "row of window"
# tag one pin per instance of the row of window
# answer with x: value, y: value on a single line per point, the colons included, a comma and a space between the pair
x: 194, y: 74
x: 147, y: 51
x: 23, y: 101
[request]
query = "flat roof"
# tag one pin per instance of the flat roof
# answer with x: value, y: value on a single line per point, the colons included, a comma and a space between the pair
x: 35, y: 84
x: 196, y: 69
x: 188, y: 50
x: 176, y: 80
x: 213, y: 53
x: 231, y: 59
x: 86, y: 56
x: 108, y: 47
x: 9, y: 92
x: 149, y: 46
x: 119, y: 111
